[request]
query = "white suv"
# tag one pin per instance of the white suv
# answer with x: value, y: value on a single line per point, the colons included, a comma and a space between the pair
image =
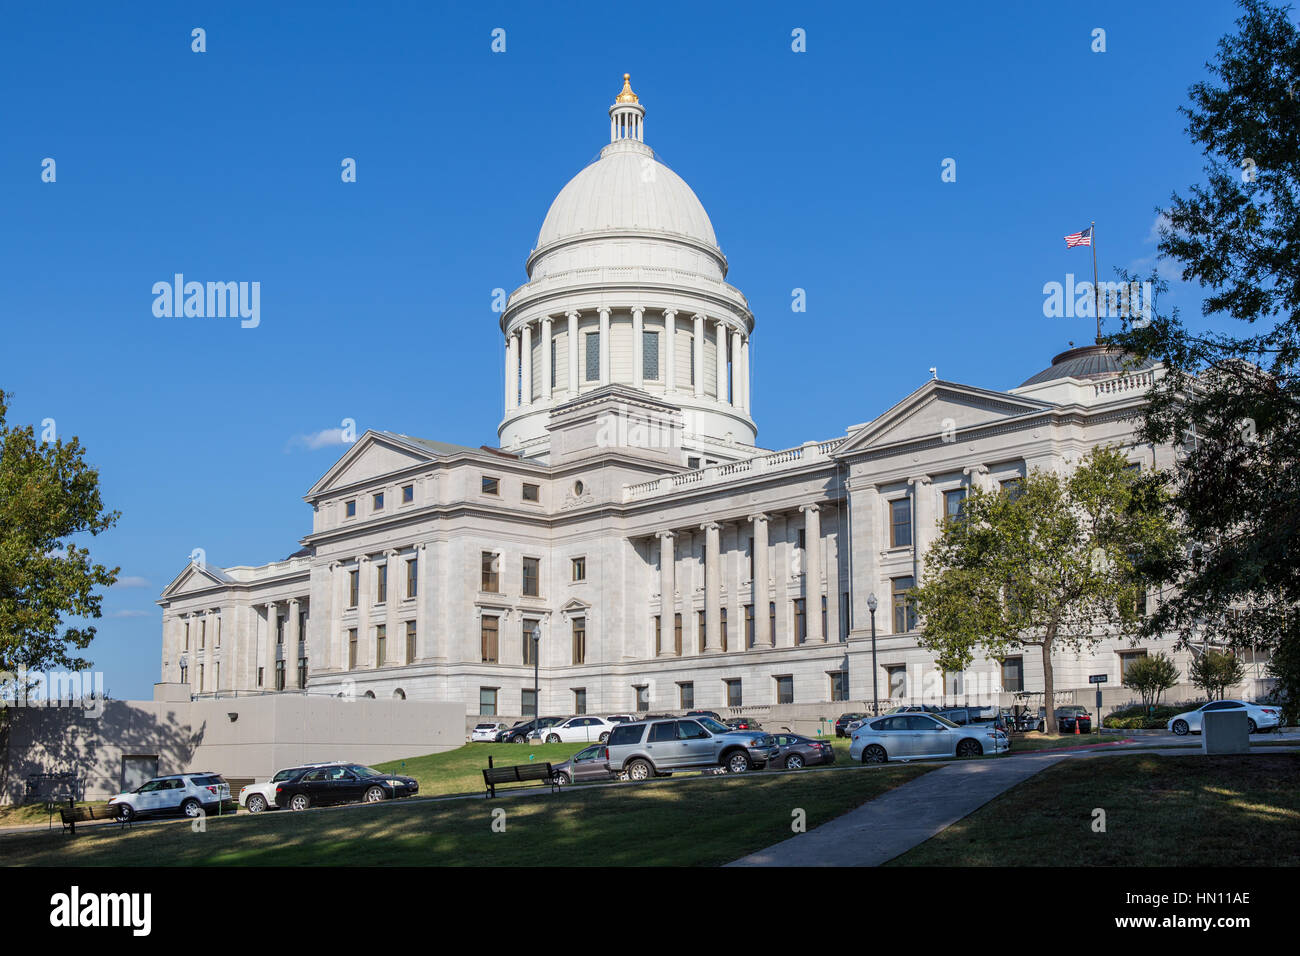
x: 257, y: 797
x: 193, y: 794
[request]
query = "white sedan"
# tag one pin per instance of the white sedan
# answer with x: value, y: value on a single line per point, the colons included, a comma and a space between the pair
x: 257, y: 797
x: 580, y: 730
x: 1258, y: 717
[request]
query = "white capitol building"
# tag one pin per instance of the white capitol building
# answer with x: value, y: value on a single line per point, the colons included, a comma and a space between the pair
x: 627, y: 516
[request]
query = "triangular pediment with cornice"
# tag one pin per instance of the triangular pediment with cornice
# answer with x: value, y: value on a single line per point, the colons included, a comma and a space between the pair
x: 196, y: 577
x: 936, y: 408
x: 574, y: 606
x: 373, y: 456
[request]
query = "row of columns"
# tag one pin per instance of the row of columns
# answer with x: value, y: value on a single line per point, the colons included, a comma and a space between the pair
x: 519, y: 364
x: 761, y: 586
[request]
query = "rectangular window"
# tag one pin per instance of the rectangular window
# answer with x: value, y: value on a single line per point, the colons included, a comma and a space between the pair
x: 408, y: 494
x: 579, y: 700
x: 1013, y: 675
x: 528, y: 702
x: 592, y: 341
x: 381, y: 583
x: 642, y: 697
x: 487, y: 701
x: 531, y: 492
x: 354, y: 586
x: 350, y: 508
x: 378, y: 501
x: 203, y: 633
x: 302, y: 673
x: 839, y: 685
x: 279, y: 629
x: 904, y: 610
x: 218, y: 628
x: 412, y: 576
x: 658, y: 636
x: 491, y: 582
x: 900, y: 523
x: 803, y: 539
x: 650, y: 356
x: 785, y: 689
x: 701, y: 627
x: 490, y: 486
x: 488, y: 639
x: 825, y: 630
x: 579, y: 569
x: 692, y: 341
x: 381, y: 645
x: 800, y: 620
x: 896, y: 679
x: 677, y: 634
x: 554, y: 341
x: 1127, y: 659
x: 532, y: 577
x: 531, y: 626
x: 216, y: 676
x: 187, y: 635
x: 1013, y: 488
x: 771, y: 620
x: 410, y: 641
x: 734, y: 697
x: 352, y: 649
x: 953, y: 502
x: 686, y: 695
x: 279, y: 675
x: 844, y: 616
x: 579, y: 640
x: 722, y: 619
x: 749, y: 625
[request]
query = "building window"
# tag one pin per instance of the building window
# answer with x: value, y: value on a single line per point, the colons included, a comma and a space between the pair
x: 491, y: 582
x: 800, y: 620
x: 412, y: 577
x: 802, y: 543
x: 381, y: 583
x: 749, y: 553
x: 302, y: 673
x: 701, y: 628
x: 722, y: 619
x: 354, y: 586
x: 650, y: 356
x: 203, y: 633
x: 200, y: 678
x: 900, y: 523
x: 593, y: 356
x: 579, y: 700
x: 904, y: 609
x: 528, y: 702
x: 896, y: 679
x: 408, y: 494
x: 489, y: 639
x: 531, y: 626
x: 734, y: 697
x: 378, y: 502
x: 187, y: 635
x: 352, y: 649
x: 686, y: 695
x: 785, y: 689
x: 491, y: 486
x: 279, y: 629
x: 410, y: 641
x: 692, y: 463
x: 749, y: 625
x: 279, y: 675
x: 839, y: 685
x: 844, y: 616
x: 554, y: 342
x: 953, y: 503
x: 1013, y: 487
x: 1127, y: 659
x: 216, y: 676
x: 642, y: 697
x: 350, y: 508
x: 531, y: 492
x: 579, y: 640
x: 692, y: 341
x: 487, y: 701
x: 1013, y: 674
x: 381, y: 644
x: 771, y: 620
x: 532, y: 585
x: 825, y: 630
x: 677, y: 634
x: 579, y: 566
x: 658, y: 636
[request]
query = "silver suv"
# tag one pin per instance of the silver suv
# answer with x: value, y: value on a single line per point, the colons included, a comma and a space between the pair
x: 652, y: 748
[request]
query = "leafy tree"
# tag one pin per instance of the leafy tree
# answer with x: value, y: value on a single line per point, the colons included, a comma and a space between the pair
x: 1230, y: 397
x: 1151, y: 676
x: 48, y: 494
x: 1215, y: 671
x: 1054, y: 564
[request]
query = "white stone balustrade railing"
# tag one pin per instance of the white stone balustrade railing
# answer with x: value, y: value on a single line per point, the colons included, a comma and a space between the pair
x: 732, y: 471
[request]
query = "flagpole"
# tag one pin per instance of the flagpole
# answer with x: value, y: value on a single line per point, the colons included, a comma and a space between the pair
x: 1096, y: 292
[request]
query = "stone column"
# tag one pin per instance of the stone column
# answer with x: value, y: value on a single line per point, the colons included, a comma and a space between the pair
x: 291, y: 647
x: 396, y: 581
x: 923, y: 522
x: 604, y: 346
x: 638, y: 335
x: 697, y: 344
x: 512, y: 373
x: 546, y: 362
x: 761, y: 597
x: 736, y: 390
x: 812, y: 573
x: 363, y: 611
x: 268, y: 659
x: 526, y: 366
x: 337, y: 600
x: 722, y: 363
x: 712, y: 587
x: 573, y: 352
x: 667, y: 593
x: 422, y: 642
x: 670, y: 351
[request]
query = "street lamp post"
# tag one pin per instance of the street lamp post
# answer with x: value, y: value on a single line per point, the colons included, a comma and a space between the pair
x: 872, y: 604
x: 537, y: 691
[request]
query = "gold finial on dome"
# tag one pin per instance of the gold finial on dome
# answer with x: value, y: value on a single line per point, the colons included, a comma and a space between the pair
x: 627, y: 96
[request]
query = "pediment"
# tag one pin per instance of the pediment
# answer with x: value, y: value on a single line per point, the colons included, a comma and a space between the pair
x: 196, y: 577
x: 372, y: 457
x: 937, y: 408
x: 574, y: 606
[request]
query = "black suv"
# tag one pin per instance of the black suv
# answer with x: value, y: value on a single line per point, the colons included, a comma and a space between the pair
x: 347, y: 783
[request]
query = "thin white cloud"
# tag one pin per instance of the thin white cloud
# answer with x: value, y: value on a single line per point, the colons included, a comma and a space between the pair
x: 131, y: 581
x: 122, y: 614
x: 312, y: 441
x: 1153, y: 234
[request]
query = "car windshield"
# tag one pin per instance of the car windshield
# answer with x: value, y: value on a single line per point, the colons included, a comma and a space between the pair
x: 943, y: 720
x: 711, y: 725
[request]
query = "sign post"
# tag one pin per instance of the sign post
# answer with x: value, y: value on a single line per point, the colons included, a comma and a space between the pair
x: 1098, y: 679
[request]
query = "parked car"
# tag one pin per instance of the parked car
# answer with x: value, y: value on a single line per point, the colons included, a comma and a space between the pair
x: 913, y: 736
x: 964, y: 716
x: 620, y: 718
x: 257, y: 797
x: 795, y: 751
x: 1258, y: 716
x: 193, y: 794
x: 485, y: 733
x: 659, y: 747
x: 520, y: 732
x: 843, y: 721
x: 581, y: 729
x: 590, y: 763
x: 344, y: 783
x: 1066, y: 717
x: 914, y: 709
x: 706, y: 713
x: 744, y: 723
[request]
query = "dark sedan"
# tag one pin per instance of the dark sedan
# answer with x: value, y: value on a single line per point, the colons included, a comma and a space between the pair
x: 349, y: 783
x: 744, y: 723
x: 1066, y: 719
x: 843, y: 721
x: 520, y: 732
x: 795, y: 752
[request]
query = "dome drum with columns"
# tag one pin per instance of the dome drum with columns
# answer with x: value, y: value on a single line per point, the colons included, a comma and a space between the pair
x: 627, y: 286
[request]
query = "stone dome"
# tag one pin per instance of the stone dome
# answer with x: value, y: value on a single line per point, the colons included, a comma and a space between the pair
x: 1087, y: 362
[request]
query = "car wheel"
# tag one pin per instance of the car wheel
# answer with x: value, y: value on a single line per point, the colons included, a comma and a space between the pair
x: 639, y: 770
x: 519, y: 739
x: 299, y: 801
x: 970, y: 748
x: 738, y: 762
x: 793, y: 762
x: 256, y: 803
x: 604, y: 738
x: 552, y: 738
x: 192, y: 808
x: 1180, y: 728
x: 1250, y: 726
x: 375, y: 795
x: 875, y: 754
x: 561, y: 780
x: 125, y: 813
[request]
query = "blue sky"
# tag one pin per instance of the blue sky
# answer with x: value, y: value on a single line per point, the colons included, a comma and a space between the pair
x: 820, y: 170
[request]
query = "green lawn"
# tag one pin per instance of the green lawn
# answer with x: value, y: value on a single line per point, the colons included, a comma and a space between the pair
x: 35, y: 814
x: 704, y: 821
x: 1160, y: 811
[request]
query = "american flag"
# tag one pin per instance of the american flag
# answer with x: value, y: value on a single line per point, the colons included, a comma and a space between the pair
x: 1079, y: 238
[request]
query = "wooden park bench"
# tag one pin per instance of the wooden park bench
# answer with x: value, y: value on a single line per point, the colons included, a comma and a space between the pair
x: 525, y: 774
x: 71, y: 816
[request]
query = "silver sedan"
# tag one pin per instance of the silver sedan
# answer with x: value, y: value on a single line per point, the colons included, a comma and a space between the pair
x: 917, y: 736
